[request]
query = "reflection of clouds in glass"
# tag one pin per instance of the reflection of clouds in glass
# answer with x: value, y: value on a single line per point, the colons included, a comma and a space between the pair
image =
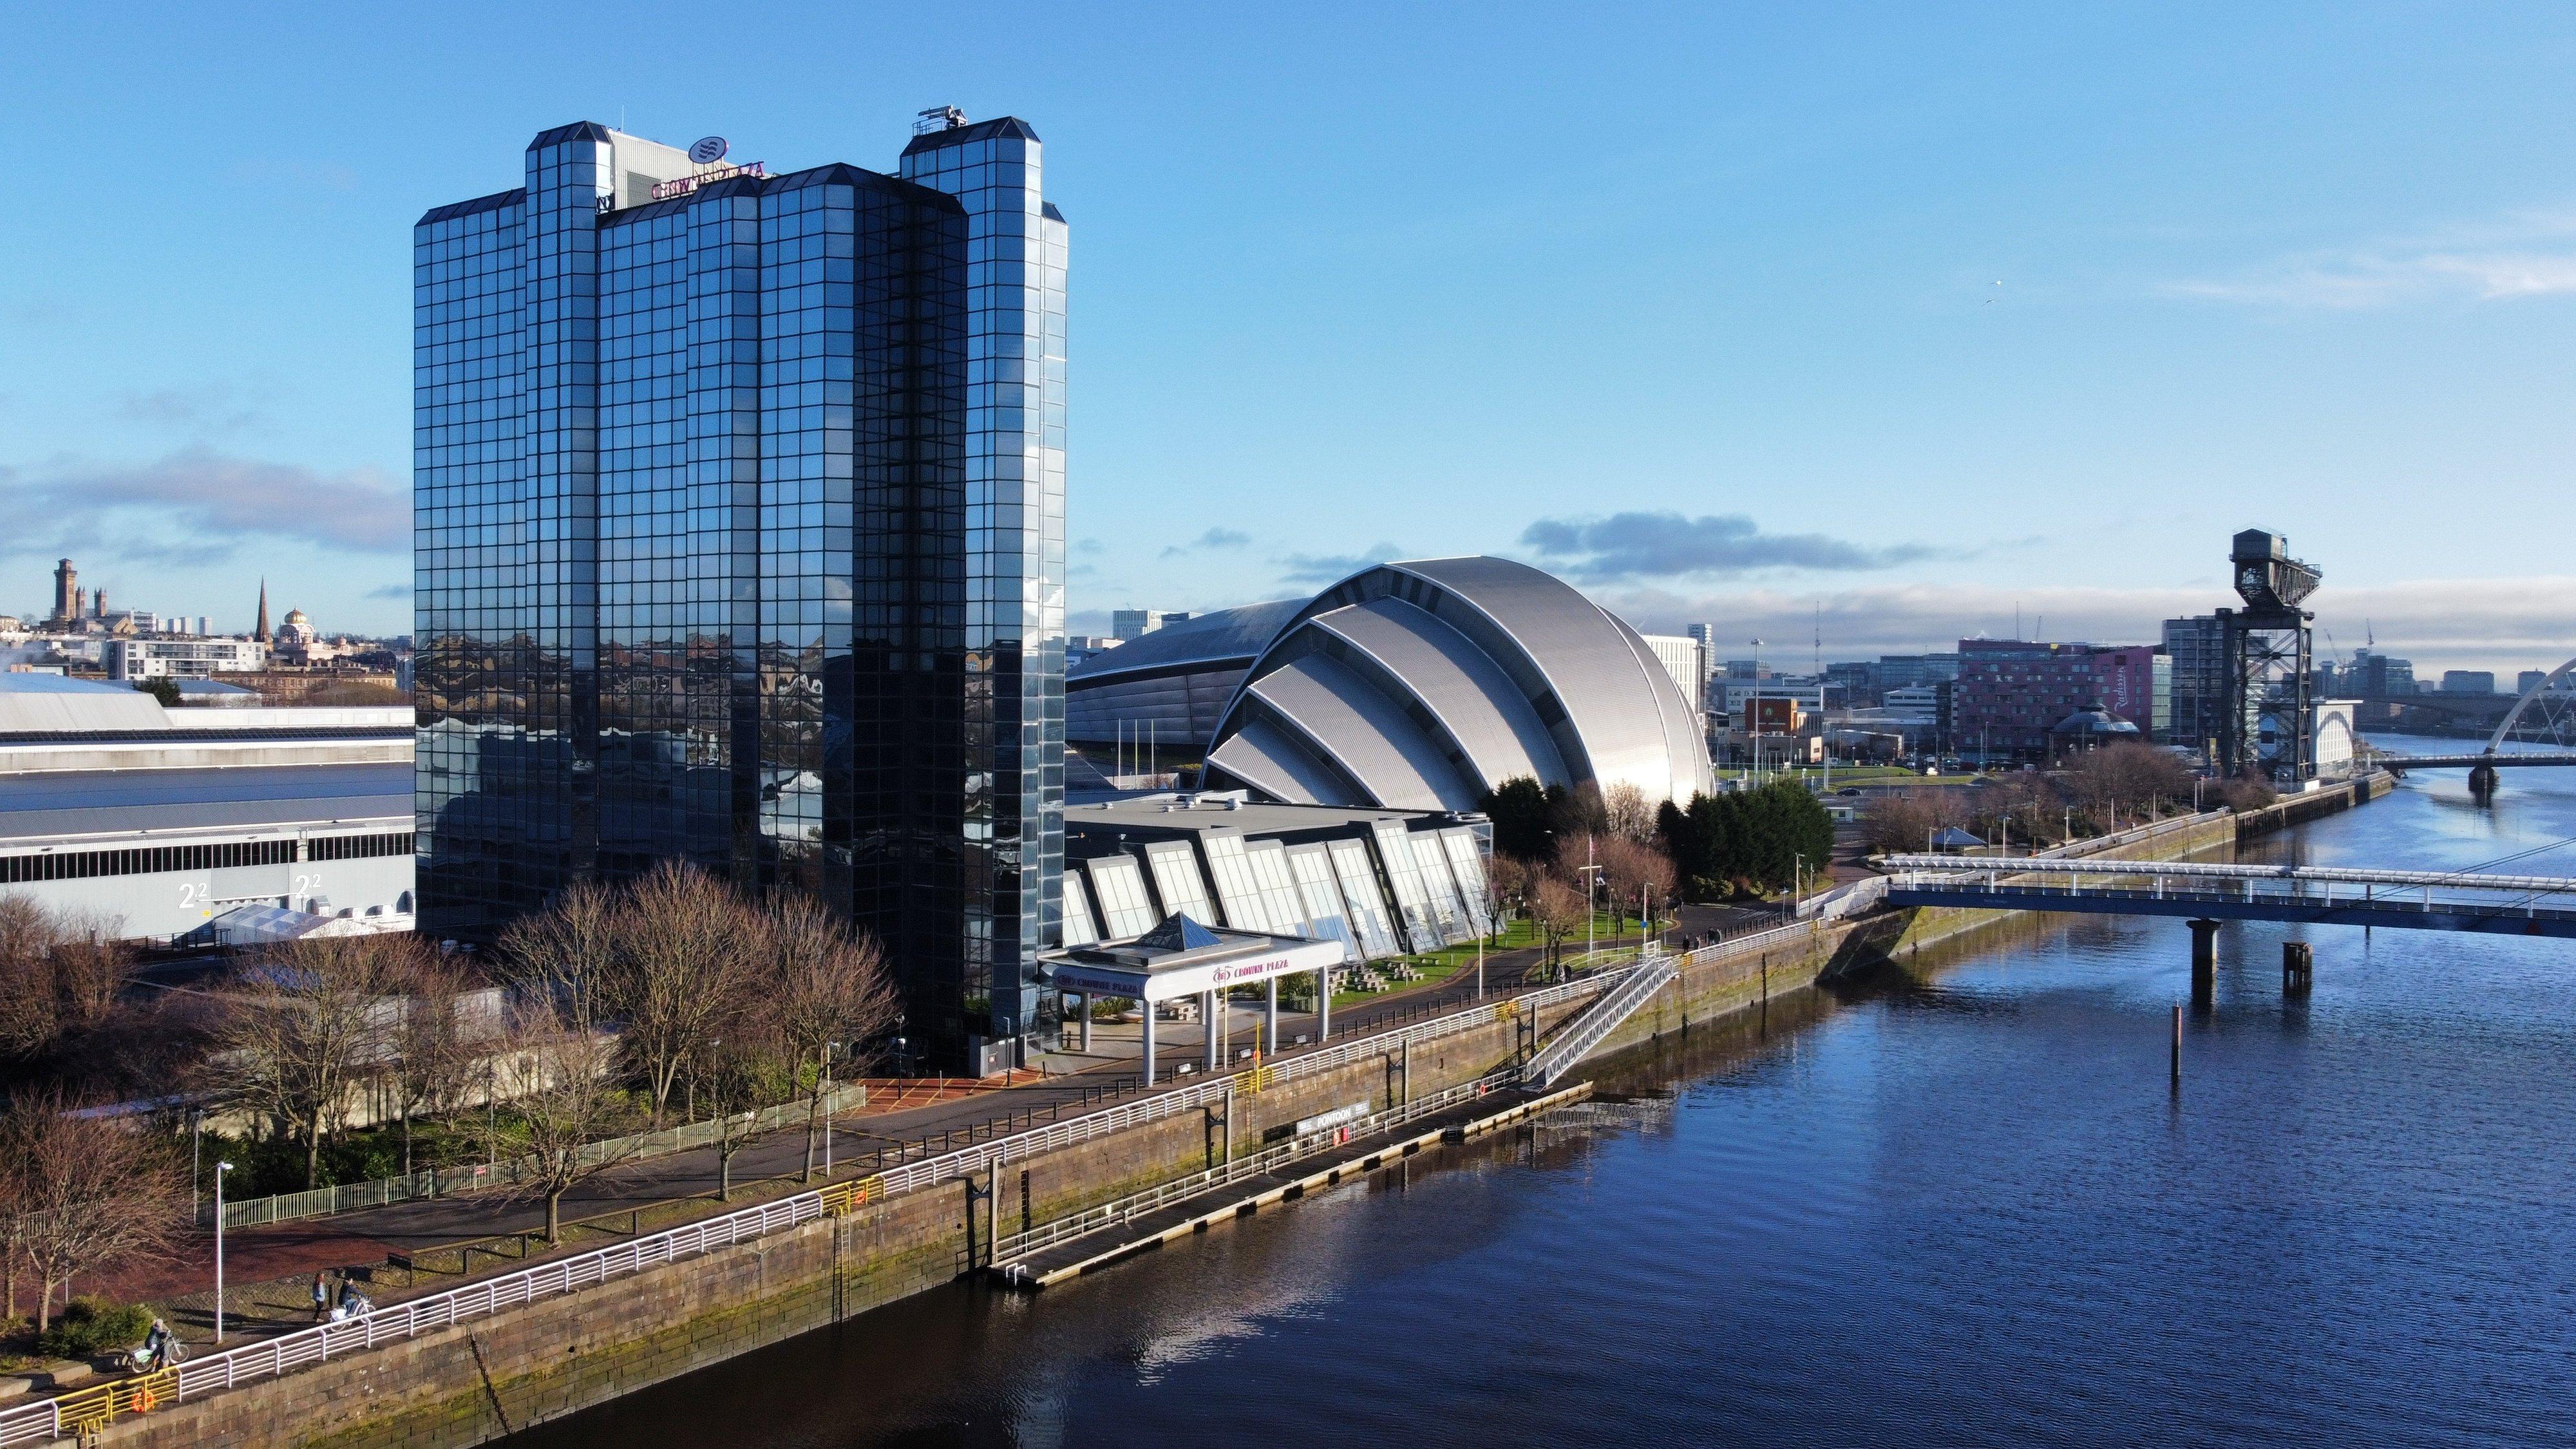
x: 1300, y: 1287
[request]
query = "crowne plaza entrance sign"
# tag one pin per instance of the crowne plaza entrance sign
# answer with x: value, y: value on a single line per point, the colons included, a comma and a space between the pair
x: 1188, y: 978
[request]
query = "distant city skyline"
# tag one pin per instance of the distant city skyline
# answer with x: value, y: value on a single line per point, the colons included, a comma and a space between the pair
x: 1715, y: 314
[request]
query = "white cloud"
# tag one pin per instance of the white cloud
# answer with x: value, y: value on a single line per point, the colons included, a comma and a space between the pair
x: 1638, y: 545
x: 211, y: 502
x: 2523, y: 623
x: 2524, y: 255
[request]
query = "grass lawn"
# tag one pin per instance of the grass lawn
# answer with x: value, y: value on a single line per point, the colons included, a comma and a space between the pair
x: 1438, y: 966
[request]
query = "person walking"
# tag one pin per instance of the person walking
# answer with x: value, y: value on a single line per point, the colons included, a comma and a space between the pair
x: 321, y: 1297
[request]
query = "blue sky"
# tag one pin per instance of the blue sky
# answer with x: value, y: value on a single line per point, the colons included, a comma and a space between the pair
x: 1907, y: 313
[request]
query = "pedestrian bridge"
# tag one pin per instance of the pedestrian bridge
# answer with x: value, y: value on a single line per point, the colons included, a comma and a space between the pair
x: 2513, y: 905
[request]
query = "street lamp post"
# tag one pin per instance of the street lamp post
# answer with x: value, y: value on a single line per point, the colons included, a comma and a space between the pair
x: 1591, y: 880
x: 830, y: 1106
x: 196, y: 1135
x: 220, y: 1169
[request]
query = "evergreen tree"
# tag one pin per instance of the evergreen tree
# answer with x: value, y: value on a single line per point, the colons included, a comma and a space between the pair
x: 1522, y: 813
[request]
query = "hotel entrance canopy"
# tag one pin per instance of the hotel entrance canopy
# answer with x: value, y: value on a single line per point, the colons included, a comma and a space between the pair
x: 1181, y: 958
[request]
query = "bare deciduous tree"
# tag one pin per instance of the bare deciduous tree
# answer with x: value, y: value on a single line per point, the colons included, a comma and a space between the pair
x: 1635, y: 876
x: 1509, y: 879
x: 59, y: 974
x: 736, y: 1073
x: 566, y: 1109
x: 434, y: 1046
x: 2128, y: 778
x: 567, y: 952
x: 302, y: 1025
x: 1907, y: 819
x: 1558, y: 911
x: 86, y: 1192
x: 683, y: 967
x: 2020, y: 808
x: 831, y: 988
x: 1628, y: 813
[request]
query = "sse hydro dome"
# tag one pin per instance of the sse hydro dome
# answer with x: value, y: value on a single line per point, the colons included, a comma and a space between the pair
x: 739, y: 504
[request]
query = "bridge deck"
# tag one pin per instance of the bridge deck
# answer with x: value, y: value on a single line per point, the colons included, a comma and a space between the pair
x: 2400, y: 764
x: 2499, y: 918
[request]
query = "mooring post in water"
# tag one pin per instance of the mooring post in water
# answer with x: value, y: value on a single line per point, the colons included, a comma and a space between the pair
x: 2298, y: 966
x: 2204, y: 961
x: 2177, y: 1042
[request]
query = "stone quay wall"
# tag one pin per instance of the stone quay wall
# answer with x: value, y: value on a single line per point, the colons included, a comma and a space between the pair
x: 475, y: 1382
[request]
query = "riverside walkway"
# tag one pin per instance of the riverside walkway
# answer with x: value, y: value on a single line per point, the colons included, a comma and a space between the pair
x: 271, y: 1267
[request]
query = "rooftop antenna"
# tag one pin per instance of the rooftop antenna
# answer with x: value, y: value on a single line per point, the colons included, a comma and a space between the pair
x: 1820, y: 639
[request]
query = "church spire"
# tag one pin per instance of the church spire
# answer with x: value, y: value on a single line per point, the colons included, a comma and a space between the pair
x: 261, y: 633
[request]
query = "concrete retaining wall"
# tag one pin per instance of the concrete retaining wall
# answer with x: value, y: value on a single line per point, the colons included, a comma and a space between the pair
x: 462, y: 1385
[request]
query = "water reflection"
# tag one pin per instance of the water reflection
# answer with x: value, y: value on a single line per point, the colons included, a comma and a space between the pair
x: 1968, y: 1208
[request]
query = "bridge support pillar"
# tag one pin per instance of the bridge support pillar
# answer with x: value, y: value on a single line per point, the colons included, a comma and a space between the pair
x: 2204, y: 961
x: 2298, y: 967
x: 2482, y: 783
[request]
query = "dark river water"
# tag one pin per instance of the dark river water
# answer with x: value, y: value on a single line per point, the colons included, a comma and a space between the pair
x: 1974, y: 1211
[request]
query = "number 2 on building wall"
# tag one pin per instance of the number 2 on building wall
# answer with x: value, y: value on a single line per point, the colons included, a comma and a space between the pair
x: 191, y: 894
x: 306, y: 885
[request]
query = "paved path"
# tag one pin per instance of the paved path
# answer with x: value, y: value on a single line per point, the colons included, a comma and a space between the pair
x: 363, y: 1239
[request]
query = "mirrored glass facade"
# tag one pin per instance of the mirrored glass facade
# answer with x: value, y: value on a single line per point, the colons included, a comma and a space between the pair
x: 739, y: 540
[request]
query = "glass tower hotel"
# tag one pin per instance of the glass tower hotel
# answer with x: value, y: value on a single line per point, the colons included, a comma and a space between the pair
x: 739, y: 513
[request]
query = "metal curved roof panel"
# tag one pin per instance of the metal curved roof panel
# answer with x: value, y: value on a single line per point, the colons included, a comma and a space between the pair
x: 1264, y: 756
x: 1484, y: 712
x: 1228, y: 637
x: 1365, y: 733
x: 1612, y: 690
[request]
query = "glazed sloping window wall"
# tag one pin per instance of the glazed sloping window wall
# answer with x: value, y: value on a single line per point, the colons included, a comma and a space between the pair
x: 1078, y: 929
x: 1467, y: 863
x: 1412, y: 899
x: 1442, y: 891
x: 1312, y: 866
x: 1126, y: 911
x: 1177, y: 882
x: 1269, y: 860
x: 1235, y: 888
x: 1371, y: 923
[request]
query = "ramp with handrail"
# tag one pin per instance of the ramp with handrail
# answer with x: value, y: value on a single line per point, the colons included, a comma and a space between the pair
x: 1597, y: 1021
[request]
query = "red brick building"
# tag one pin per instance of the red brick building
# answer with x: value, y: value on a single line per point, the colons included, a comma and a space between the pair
x: 2012, y: 691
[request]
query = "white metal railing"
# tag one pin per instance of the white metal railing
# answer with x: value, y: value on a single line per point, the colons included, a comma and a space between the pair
x: 1052, y: 1137
x: 1762, y: 940
x: 1342, y: 1054
x: 39, y: 1422
x: 432, y: 1182
x: 1008, y: 1248
x: 2211, y: 870
x: 1597, y: 1021
x: 43, y: 1421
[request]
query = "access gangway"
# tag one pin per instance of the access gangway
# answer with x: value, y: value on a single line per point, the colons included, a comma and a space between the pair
x: 1598, y: 1020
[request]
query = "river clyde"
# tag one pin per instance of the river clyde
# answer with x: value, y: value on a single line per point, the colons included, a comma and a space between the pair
x: 1970, y: 1210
